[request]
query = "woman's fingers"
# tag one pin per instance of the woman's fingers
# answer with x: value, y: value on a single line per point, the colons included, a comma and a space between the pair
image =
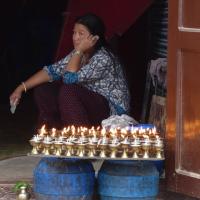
x: 14, y: 99
x: 88, y: 42
x: 93, y: 38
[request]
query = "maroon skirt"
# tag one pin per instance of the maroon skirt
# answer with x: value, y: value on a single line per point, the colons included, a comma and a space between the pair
x: 62, y: 105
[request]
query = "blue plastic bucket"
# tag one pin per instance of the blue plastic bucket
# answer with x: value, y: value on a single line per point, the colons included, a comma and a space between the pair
x: 127, y: 180
x: 66, y: 179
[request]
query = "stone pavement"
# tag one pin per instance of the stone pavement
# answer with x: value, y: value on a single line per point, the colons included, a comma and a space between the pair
x: 20, y: 169
x: 13, y: 170
x: 17, y: 169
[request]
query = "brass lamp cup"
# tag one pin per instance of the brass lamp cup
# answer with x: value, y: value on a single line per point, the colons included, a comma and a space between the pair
x: 83, y: 140
x: 114, y: 149
x: 103, y: 148
x: 125, y: 147
x: 81, y: 149
x: 159, y: 150
x: 35, y: 144
x: 69, y: 149
x: 58, y: 148
x: 136, y: 150
x: 146, y: 148
x: 40, y: 147
x: 93, y: 140
x: 92, y: 149
x: 47, y: 148
x: 64, y: 148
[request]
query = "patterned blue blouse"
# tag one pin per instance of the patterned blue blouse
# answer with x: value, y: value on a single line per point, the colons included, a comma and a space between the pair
x: 99, y: 75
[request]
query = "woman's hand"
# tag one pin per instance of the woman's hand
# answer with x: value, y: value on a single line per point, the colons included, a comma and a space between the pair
x: 87, y: 43
x: 38, y: 78
x: 16, y: 95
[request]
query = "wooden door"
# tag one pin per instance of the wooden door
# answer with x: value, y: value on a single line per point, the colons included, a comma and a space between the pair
x: 183, y: 98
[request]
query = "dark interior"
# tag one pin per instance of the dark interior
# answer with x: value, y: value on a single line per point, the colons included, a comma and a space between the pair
x: 30, y: 36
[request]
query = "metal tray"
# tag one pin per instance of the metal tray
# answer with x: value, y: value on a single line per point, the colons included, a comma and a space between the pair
x: 95, y: 157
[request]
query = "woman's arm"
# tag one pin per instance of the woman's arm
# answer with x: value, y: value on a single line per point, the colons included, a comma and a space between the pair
x: 37, y: 79
x: 48, y: 73
x: 75, y: 61
x: 85, y: 47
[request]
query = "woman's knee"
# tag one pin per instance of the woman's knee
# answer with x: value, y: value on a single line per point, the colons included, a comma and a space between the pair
x: 69, y: 94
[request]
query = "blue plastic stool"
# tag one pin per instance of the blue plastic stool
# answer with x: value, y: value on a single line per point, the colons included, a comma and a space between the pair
x: 66, y: 179
x: 128, y: 180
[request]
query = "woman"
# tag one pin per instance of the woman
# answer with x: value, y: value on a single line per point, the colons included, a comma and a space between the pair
x: 93, y: 85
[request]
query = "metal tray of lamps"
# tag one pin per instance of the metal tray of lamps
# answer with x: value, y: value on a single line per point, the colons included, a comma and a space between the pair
x: 83, y: 143
x: 121, y: 151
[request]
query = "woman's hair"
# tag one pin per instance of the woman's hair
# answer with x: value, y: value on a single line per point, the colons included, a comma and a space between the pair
x: 96, y: 26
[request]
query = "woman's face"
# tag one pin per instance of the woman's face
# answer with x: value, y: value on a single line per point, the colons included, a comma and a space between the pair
x: 80, y: 32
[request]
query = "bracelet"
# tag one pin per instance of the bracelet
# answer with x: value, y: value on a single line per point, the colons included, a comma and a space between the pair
x: 77, y: 52
x: 25, y: 89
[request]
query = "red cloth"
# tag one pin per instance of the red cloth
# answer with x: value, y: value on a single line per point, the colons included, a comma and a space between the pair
x: 118, y: 17
x: 69, y: 104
